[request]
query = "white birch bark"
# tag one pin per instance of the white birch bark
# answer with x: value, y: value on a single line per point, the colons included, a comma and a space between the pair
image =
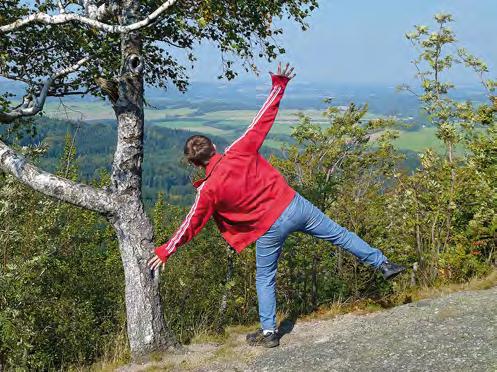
x: 57, y: 187
x: 33, y: 105
x: 89, y: 20
x: 146, y: 327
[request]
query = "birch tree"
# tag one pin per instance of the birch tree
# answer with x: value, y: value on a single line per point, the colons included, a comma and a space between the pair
x: 113, y: 49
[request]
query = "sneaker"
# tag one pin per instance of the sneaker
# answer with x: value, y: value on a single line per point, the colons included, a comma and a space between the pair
x: 259, y: 339
x: 390, y: 269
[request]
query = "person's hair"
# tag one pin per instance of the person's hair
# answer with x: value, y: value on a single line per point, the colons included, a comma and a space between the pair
x: 199, y: 149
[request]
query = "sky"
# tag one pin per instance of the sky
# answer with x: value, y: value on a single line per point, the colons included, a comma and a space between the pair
x: 362, y: 41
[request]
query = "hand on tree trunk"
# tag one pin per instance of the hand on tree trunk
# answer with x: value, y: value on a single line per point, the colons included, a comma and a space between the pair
x: 155, y: 262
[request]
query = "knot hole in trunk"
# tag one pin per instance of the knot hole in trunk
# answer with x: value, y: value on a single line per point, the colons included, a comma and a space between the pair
x: 135, y: 64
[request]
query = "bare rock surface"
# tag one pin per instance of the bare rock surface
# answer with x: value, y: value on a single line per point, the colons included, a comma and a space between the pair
x: 456, y: 332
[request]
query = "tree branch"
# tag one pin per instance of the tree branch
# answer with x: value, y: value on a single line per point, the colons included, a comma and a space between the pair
x: 94, y: 11
x: 72, y: 93
x: 15, y: 78
x: 34, y: 104
x: 62, y: 9
x: 79, y: 194
x: 73, y: 17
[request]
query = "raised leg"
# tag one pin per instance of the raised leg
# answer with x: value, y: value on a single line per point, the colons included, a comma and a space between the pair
x: 316, y: 223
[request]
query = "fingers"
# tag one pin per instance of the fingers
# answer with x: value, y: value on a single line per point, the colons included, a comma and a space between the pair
x: 154, y: 263
x: 287, y: 71
x: 149, y: 263
x: 157, y: 264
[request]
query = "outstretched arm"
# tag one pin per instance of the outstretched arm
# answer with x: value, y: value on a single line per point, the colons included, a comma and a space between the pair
x: 254, y: 136
x: 196, y: 219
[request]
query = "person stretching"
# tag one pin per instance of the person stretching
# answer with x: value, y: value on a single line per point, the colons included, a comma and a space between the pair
x: 251, y: 201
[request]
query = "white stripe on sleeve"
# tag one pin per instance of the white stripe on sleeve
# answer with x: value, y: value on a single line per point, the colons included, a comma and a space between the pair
x: 179, y: 234
x: 270, y: 99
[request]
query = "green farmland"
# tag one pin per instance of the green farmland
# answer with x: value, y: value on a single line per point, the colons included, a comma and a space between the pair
x: 229, y: 124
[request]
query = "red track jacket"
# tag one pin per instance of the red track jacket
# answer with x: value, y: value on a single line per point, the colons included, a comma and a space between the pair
x: 241, y: 190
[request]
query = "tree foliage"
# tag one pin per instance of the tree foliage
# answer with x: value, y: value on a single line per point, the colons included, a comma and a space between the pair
x: 243, y: 31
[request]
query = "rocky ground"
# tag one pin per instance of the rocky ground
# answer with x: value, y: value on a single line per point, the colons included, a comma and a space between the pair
x: 457, y: 332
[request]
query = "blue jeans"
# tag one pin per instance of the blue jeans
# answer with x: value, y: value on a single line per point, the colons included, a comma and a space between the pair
x: 300, y: 215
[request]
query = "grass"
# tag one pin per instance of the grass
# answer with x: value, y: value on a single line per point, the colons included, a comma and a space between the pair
x: 475, y: 284
x: 115, y: 354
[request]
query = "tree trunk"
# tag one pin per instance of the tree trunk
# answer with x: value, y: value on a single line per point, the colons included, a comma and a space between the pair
x: 224, y: 299
x: 450, y: 150
x: 145, y: 321
x: 314, y: 281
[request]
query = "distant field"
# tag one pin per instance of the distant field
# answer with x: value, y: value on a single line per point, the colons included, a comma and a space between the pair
x: 248, y: 115
x: 418, y: 141
x: 170, y: 114
x: 228, y: 123
x: 98, y: 110
x: 192, y: 125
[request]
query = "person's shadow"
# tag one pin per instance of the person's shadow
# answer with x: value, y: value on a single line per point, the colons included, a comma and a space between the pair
x: 286, y: 325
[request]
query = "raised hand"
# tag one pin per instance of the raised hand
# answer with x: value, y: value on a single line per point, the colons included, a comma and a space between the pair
x: 286, y: 72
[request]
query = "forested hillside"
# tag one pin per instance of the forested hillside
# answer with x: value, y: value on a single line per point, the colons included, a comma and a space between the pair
x: 95, y: 144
